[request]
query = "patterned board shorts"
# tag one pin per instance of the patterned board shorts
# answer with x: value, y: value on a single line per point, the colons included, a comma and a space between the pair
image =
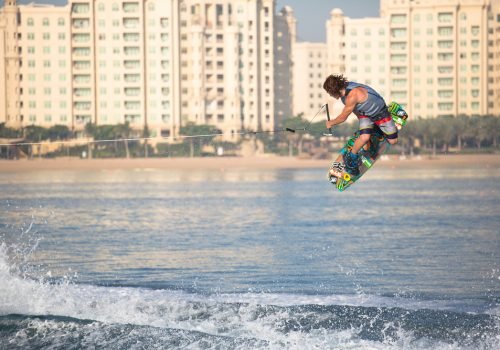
x: 386, y: 125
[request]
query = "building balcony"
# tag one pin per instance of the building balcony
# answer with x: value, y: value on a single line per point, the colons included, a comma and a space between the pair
x: 79, y: 39
x: 79, y: 8
x: 133, y: 118
x: 81, y: 51
x: 134, y: 105
x: 81, y: 79
x: 130, y: 7
x: 132, y: 64
x: 131, y: 51
x: 83, y: 119
x: 132, y: 78
x: 445, y: 69
x: 165, y: 22
x: 80, y: 23
x: 82, y: 106
x: 131, y: 37
x: 131, y: 23
x: 82, y: 92
x: 81, y: 65
x: 399, y: 70
x: 132, y: 91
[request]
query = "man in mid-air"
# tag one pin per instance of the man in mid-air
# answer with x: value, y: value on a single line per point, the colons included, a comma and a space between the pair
x: 368, y: 106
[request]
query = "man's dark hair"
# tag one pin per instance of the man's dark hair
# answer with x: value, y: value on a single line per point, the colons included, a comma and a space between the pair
x: 334, y: 83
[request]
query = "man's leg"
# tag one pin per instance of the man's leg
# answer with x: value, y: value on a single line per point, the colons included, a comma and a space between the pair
x: 360, y: 142
x: 351, y: 158
x: 365, y: 129
x: 390, y: 131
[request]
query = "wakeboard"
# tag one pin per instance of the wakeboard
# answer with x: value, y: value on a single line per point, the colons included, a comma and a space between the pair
x: 378, y: 145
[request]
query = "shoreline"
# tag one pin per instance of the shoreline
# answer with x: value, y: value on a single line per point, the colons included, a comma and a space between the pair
x: 481, y: 161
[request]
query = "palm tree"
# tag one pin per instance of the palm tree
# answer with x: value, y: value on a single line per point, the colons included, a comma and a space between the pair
x: 461, y: 125
x: 191, y: 129
x: 479, y: 130
x: 33, y: 133
x: 146, y: 135
x: 122, y: 131
x: 492, y: 123
x: 91, y: 130
x: 446, y: 131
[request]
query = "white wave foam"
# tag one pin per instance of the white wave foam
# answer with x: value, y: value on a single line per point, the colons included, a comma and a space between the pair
x: 224, y: 315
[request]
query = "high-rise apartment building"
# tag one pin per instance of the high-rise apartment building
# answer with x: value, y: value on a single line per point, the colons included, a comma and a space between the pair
x: 358, y: 48
x: 90, y: 62
x: 235, y: 64
x: 123, y: 63
x: 285, y: 37
x: 440, y: 55
x: 309, y: 72
x: 227, y: 63
x: 494, y: 58
x: 152, y: 63
x: 436, y: 58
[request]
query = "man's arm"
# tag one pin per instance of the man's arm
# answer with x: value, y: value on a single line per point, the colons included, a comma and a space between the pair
x: 350, y: 103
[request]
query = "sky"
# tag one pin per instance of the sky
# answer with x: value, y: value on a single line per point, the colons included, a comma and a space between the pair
x: 311, y: 15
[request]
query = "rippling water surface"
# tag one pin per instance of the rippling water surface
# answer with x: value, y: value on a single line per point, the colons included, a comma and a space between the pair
x: 271, y: 259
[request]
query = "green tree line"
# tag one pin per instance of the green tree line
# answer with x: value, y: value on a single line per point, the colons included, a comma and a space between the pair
x: 462, y: 133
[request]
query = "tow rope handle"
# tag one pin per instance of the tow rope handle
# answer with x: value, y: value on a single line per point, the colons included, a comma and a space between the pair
x: 330, y: 133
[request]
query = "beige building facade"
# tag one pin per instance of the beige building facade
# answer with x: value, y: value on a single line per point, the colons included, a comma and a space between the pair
x: 309, y: 72
x: 285, y: 38
x: 92, y: 61
x: 436, y: 58
x: 151, y: 63
x: 227, y: 64
x: 440, y: 55
x: 236, y: 64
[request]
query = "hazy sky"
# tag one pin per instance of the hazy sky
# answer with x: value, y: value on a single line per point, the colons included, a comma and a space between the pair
x: 311, y: 14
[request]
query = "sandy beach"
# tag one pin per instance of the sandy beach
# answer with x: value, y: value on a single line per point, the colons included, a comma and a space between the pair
x: 483, y: 161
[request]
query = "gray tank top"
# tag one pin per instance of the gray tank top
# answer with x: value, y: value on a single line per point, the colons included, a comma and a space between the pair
x: 374, y: 107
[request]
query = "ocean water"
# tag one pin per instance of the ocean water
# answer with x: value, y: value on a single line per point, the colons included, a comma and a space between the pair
x: 256, y: 259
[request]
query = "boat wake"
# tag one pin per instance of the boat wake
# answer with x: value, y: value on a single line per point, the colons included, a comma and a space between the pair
x: 37, y: 314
